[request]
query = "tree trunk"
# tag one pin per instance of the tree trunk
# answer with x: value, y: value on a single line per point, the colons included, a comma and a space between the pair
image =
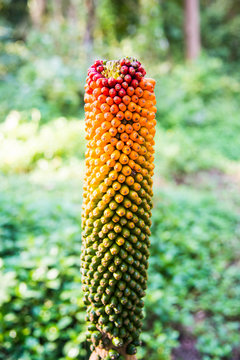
x: 192, y: 29
x: 89, y: 31
x: 36, y: 10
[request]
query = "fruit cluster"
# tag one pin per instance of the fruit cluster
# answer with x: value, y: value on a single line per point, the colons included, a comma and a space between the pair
x: 120, y: 128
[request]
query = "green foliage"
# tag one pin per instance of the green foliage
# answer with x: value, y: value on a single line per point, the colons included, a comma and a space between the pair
x: 27, y: 145
x: 220, y: 28
x: 199, y: 116
x: 42, y: 312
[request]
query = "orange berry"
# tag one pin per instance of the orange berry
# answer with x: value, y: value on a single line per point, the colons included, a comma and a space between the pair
x: 109, y: 100
x: 126, y: 99
x: 133, y: 155
x: 116, y: 186
x: 128, y: 115
x: 138, y: 91
x: 132, y: 106
x: 124, y: 190
x: 113, y: 141
x: 115, y: 122
x: 118, y: 167
x: 114, y: 109
x: 142, y: 102
x: 135, y: 99
x: 122, y: 107
x: 130, y: 180
x: 113, y: 131
x: 108, y: 149
x: 121, y: 178
x: 115, y: 155
x: 105, y: 107
x: 134, y: 136
x: 124, y: 137
x: 111, y: 163
x: 120, y: 145
x: 121, y: 128
x: 120, y: 115
x: 124, y: 159
x: 129, y: 143
x: 126, y: 170
x: 128, y: 129
x: 119, y: 198
x: 126, y: 150
x: 130, y: 90
x: 136, y: 117
x: 106, y: 125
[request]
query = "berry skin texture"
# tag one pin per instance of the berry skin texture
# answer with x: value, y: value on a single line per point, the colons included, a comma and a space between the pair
x: 120, y: 108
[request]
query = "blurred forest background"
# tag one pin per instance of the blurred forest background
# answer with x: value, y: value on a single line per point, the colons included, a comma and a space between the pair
x: 192, y: 303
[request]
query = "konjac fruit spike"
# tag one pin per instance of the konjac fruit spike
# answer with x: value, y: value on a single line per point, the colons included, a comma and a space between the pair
x: 117, y: 200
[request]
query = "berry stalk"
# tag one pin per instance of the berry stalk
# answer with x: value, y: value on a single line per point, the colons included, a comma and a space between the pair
x: 117, y: 200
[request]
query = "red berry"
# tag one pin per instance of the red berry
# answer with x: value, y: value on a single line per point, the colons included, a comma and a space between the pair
x: 125, y: 85
x: 117, y: 87
x: 117, y: 100
x: 119, y: 80
x: 100, y: 68
x: 91, y: 74
x: 112, y: 82
x: 122, y: 92
x: 105, y: 91
x: 138, y: 75
x: 98, y: 62
x: 99, y: 82
x: 112, y: 92
x: 128, y: 78
x: 122, y: 62
x: 134, y: 83
x: 124, y: 70
x: 97, y: 76
x: 131, y: 71
x: 127, y: 62
x: 104, y: 82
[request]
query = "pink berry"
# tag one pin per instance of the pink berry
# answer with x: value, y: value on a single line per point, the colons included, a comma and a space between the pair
x: 131, y: 71
x: 138, y: 75
x: 119, y: 80
x: 122, y: 92
x: 105, y: 91
x: 117, y: 100
x: 112, y: 82
x: 134, y: 83
x: 105, y: 82
x: 98, y: 62
x: 100, y: 68
x: 124, y: 70
x: 91, y: 74
x: 117, y: 87
x: 125, y: 85
x: 97, y: 76
x: 99, y: 82
x: 112, y: 92
x: 128, y: 78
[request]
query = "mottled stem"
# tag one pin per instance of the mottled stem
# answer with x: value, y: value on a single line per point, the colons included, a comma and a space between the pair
x: 103, y: 353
